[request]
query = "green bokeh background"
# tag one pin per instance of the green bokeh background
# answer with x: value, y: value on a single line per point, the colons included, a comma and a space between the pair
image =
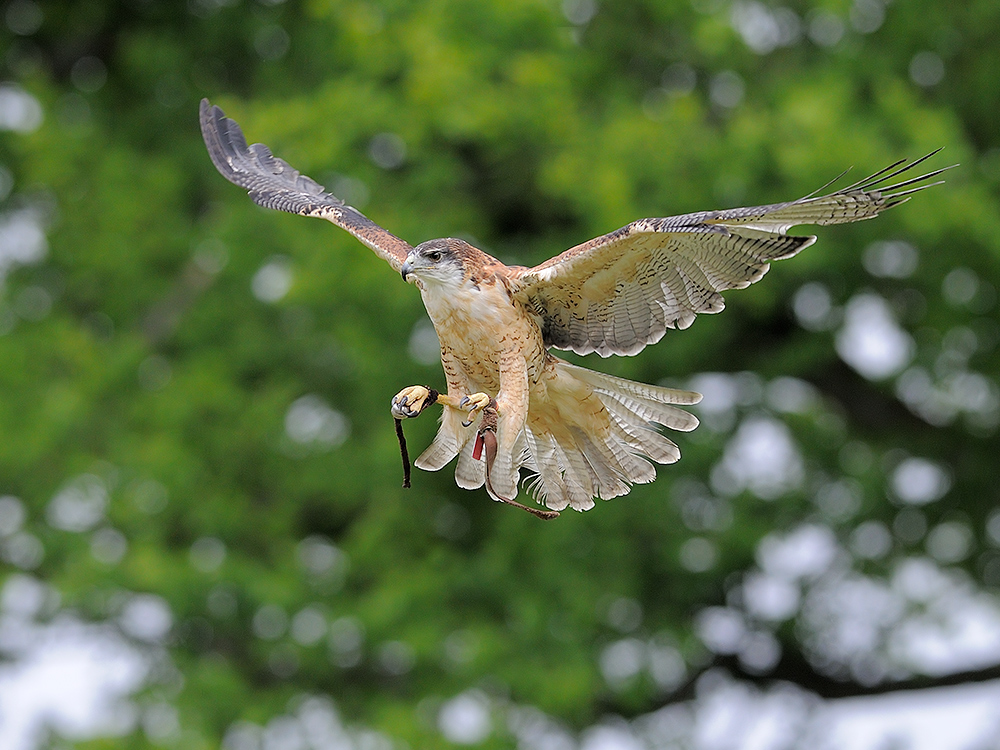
x: 138, y: 365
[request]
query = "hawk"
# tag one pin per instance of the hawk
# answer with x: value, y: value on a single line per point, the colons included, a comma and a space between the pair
x: 577, y: 433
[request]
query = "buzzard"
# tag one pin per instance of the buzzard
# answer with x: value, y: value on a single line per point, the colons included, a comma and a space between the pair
x: 510, y: 403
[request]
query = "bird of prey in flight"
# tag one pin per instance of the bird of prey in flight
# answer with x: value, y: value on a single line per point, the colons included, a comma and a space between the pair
x: 510, y: 404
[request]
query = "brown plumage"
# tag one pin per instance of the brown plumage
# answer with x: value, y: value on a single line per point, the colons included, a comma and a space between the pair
x: 578, y: 434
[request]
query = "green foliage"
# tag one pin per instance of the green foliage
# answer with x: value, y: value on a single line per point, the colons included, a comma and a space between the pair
x: 137, y: 356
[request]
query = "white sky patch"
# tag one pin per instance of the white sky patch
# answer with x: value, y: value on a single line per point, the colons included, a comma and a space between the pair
x: 624, y: 614
x: 958, y: 627
x: 734, y: 717
x: 465, y: 719
x: 535, y: 730
x: 871, y: 341
x: 351, y: 190
x: 731, y: 716
x: 760, y: 651
x: 918, y: 481
x: 19, y: 110
x: 347, y: 636
x: 761, y: 457
x: 845, y: 616
x: 396, y: 657
x: 270, y: 622
x: 78, y: 677
x: 940, y: 400
x: 79, y: 505
x: 679, y: 78
x: 769, y: 597
x: 805, y: 552
x: 954, y: 718
x: 722, y: 393
x: 622, y: 660
x: 146, y: 617
x: 741, y: 388
x: 22, y: 239
x: 608, y: 736
x: 721, y: 629
x: 763, y: 28
x: 959, y: 630
x: 75, y: 677
x: 926, y: 619
x: 315, y: 723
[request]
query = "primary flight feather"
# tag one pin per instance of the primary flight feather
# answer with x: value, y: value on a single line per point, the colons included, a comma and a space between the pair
x: 510, y: 403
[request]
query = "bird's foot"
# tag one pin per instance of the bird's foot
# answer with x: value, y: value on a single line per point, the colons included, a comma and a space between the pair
x: 474, y: 404
x: 410, y: 401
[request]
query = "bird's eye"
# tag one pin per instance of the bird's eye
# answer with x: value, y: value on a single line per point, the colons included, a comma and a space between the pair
x: 433, y: 256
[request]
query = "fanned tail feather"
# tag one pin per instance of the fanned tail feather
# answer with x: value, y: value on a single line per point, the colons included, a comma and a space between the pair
x: 588, y: 435
x: 470, y: 473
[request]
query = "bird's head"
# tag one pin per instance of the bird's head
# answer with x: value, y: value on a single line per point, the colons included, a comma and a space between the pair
x: 437, y: 262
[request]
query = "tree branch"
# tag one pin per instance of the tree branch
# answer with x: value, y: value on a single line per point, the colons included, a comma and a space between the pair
x: 795, y: 669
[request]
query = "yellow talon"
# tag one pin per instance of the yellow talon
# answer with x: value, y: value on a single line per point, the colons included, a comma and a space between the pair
x: 409, y: 402
x: 474, y: 404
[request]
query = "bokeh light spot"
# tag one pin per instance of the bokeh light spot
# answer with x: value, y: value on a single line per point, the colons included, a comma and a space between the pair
x: 465, y: 719
x: 918, y: 481
x: 273, y: 280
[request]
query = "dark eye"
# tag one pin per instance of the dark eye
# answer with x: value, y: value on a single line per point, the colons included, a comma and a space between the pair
x: 433, y: 255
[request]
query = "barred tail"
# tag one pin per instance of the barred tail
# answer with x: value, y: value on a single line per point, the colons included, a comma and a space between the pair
x: 600, y: 446
x: 588, y: 435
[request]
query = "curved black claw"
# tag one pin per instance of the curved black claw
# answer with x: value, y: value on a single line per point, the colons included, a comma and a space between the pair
x: 409, y: 402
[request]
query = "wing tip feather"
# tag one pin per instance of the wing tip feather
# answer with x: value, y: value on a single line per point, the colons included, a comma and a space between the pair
x: 273, y: 183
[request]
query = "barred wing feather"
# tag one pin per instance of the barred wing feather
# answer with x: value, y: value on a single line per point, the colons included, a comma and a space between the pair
x: 617, y: 293
x: 272, y: 183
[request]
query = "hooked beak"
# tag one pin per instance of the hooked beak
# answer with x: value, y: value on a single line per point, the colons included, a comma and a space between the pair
x: 406, y: 269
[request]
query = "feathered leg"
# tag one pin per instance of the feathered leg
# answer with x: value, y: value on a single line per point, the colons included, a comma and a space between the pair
x: 486, y: 442
x: 512, y: 409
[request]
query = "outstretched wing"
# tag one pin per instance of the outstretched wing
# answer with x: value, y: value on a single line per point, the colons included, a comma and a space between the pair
x: 272, y: 183
x: 617, y: 293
